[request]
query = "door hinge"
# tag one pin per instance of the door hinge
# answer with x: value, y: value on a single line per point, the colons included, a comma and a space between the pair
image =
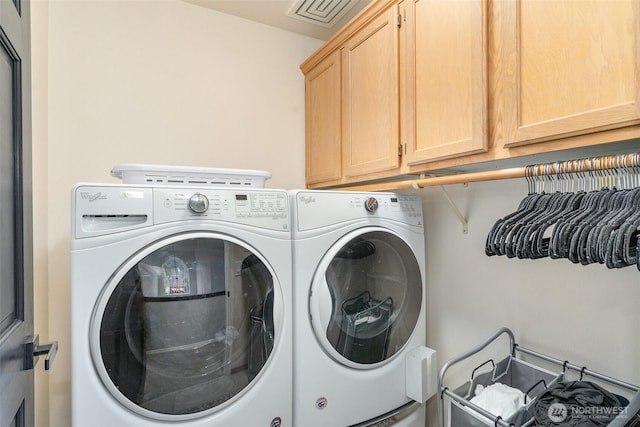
x: 399, y: 20
x: 400, y: 150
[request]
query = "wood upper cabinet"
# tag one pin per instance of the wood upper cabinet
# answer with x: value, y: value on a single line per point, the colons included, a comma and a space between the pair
x: 413, y: 90
x: 371, y: 97
x: 445, y: 68
x: 571, y: 67
x: 411, y: 86
x: 323, y: 98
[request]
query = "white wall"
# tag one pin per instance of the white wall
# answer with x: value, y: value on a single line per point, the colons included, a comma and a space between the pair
x: 163, y: 82
x: 588, y: 315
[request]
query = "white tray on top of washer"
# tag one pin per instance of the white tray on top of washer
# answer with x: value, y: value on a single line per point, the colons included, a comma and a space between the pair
x: 133, y: 173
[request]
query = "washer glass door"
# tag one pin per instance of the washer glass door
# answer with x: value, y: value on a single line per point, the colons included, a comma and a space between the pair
x: 186, y: 327
x: 366, y: 298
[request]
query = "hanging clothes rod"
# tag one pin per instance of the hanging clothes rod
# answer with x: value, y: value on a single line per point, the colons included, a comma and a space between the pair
x: 441, y: 180
x: 592, y: 164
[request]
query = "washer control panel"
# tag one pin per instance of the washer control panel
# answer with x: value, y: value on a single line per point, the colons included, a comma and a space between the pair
x: 105, y: 209
x: 263, y: 208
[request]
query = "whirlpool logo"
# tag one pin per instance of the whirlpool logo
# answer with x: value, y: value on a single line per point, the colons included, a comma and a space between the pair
x: 307, y: 199
x: 92, y: 197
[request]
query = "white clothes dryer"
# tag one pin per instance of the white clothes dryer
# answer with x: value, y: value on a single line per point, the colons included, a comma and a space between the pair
x: 180, y: 306
x: 359, y: 298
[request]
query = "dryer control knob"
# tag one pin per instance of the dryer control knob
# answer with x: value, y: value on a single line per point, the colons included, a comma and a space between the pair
x: 198, y: 203
x: 371, y: 205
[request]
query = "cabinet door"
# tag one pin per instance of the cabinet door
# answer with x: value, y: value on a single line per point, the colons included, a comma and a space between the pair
x: 572, y: 67
x: 322, y: 117
x: 446, y: 89
x: 371, y: 97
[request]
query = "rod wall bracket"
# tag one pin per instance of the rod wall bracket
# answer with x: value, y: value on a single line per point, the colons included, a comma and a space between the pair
x: 454, y: 207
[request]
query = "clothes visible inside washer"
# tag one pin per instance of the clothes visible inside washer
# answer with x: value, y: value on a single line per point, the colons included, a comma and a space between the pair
x: 181, y: 356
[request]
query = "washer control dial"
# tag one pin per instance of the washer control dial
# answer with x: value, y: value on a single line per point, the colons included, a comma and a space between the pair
x: 371, y: 204
x: 198, y: 203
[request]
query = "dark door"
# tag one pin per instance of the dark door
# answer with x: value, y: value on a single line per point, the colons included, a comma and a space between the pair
x: 16, y: 287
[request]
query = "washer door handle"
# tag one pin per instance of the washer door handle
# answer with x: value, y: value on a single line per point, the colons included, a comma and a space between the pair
x: 33, y: 351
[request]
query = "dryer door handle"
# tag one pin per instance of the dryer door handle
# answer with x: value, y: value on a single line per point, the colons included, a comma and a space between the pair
x: 33, y: 351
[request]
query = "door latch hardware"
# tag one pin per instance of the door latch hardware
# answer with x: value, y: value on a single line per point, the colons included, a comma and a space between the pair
x: 33, y: 351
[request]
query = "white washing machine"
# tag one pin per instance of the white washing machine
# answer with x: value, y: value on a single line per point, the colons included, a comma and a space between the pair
x: 180, y: 306
x: 359, y: 298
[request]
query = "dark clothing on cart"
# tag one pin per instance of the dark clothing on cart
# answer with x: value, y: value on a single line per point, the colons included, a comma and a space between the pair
x: 577, y: 404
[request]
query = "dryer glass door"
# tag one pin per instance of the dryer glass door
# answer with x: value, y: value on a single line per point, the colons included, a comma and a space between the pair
x: 366, y: 299
x: 187, y: 327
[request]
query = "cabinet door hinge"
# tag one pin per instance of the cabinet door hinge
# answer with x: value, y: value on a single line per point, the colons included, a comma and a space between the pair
x: 400, y: 150
x: 399, y: 20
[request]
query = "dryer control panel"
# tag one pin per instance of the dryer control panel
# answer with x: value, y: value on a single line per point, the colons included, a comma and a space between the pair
x: 316, y: 209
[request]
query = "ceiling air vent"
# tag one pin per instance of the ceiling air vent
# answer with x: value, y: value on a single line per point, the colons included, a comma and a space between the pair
x: 320, y: 12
